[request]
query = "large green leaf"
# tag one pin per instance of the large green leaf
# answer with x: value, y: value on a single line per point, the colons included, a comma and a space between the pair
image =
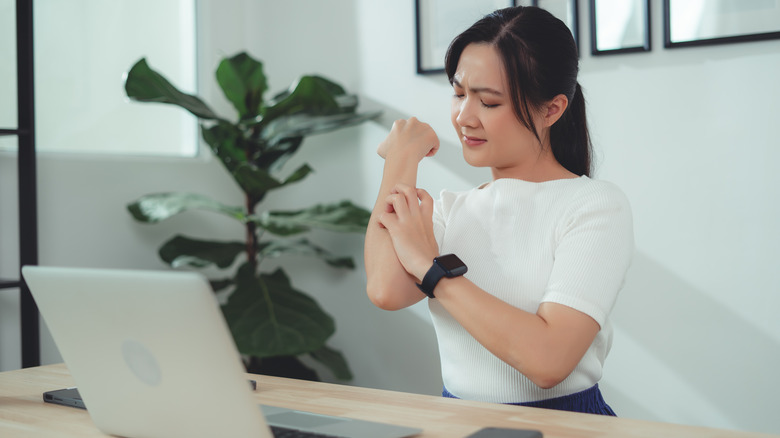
x: 243, y: 82
x: 256, y: 181
x: 228, y: 144
x: 269, y: 318
x: 279, y: 247
x: 159, y: 206
x: 343, y: 216
x: 184, y: 251
x: 302, y: 124
x: 334, y: 360
x: 275, y: 156
x: 311, y: 94
x: 146, y: 85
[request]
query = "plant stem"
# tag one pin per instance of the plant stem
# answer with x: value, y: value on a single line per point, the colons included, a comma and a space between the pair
x: 251, y: 202
x: 251, y: 235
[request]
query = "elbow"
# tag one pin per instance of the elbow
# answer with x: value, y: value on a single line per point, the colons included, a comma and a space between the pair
x: 383, y: 297
x: 547, y: 381
x: 544, y: 374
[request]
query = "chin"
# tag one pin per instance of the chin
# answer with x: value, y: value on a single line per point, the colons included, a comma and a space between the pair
x: 474, y: 159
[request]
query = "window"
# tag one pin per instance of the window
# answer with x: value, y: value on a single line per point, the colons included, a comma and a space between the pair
x: 7, y: 68
x: 82, y: 50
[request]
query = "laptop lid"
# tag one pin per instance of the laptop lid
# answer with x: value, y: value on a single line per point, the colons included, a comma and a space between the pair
x: 150, y: 351
x: 152, y: 356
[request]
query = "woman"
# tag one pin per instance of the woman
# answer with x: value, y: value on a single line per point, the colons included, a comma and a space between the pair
x: 545, y: 247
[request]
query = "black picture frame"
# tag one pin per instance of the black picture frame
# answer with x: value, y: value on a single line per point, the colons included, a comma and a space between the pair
x: 437, y: 22
x: 747, y: 22
x: 572, y: 21
x: 635, y: 27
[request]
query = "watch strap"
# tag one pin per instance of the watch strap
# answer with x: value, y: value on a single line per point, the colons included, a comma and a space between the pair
x: 431, y: 279
x: 448, y: 265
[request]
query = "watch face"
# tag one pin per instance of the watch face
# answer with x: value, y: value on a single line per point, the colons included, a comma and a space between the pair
x: 452, y: 264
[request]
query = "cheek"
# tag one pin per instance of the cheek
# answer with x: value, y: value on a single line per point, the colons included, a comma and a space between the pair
x: 509, y: 124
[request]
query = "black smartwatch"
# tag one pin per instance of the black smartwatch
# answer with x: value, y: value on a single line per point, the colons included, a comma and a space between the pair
x: 443, y: 266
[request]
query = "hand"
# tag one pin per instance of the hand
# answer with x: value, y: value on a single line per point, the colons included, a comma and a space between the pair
x: 408, y: 217
x: 412, y: 136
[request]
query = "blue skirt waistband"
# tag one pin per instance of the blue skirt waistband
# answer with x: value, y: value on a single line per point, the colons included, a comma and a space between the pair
x: 589, y: 401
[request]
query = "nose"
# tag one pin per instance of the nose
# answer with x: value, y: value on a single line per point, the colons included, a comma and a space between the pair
x: 465, y: 115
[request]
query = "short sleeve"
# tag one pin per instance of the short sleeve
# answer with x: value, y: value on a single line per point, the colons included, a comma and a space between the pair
x: 595, y: 244
x: 442, y: 208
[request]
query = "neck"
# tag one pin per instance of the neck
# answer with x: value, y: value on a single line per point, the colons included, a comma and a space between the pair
x: 546, y: 168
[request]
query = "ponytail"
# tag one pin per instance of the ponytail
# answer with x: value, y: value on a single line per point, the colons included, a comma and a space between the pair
x: 569, y: 137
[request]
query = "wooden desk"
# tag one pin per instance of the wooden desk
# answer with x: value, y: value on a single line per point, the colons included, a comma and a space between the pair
x: 24, y: 414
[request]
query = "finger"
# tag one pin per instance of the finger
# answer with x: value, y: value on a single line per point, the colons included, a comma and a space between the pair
x: 399, y: 188
x: 398, y: 203
x: 387, y: 220
x: 402, y: 189
x: 426, y: 202
x: 410, y: 195
x: 389, y: 200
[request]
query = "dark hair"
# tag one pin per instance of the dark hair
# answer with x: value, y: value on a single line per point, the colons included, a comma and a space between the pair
x: 541, y: 61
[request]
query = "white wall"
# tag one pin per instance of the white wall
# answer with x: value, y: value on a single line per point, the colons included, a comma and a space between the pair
x: 687, y: 133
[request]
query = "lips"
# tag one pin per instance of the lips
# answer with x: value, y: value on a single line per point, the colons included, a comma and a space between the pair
x: 473, y: 141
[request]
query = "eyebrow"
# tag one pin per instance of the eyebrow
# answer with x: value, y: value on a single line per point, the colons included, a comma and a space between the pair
x: 478, y: 90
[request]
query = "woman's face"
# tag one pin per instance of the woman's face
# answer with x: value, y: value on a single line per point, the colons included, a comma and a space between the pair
x: 483, y: 116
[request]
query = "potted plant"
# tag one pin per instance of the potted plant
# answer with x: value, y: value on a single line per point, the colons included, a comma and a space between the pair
x: 273, y: 324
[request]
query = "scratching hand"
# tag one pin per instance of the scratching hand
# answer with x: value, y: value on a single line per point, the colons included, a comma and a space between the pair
x: 408, y: 217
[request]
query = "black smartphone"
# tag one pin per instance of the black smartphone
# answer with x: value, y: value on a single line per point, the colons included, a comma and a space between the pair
x: 503, y: 432
x: 66, y: 397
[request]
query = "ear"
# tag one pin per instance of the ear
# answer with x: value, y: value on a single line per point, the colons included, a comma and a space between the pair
x: 555, y: 109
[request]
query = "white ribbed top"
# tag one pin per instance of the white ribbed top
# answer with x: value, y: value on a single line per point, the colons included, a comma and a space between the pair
x: 566, y: 241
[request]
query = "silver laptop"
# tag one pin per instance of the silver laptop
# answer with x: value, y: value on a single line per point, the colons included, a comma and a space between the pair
x: 152, y: 356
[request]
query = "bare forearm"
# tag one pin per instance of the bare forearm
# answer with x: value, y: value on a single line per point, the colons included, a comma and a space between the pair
x: 545, y: 346
x: 389, y: 285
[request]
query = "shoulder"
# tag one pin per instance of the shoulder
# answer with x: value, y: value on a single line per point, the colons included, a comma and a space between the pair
x: 597, y: 202
x: 574, y: 196
x: 593, y: 193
